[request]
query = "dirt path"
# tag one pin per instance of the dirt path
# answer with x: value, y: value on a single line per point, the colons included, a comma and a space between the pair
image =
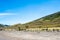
x: 16, y: 35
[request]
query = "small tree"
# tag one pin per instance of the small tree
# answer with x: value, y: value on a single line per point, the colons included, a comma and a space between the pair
x: 53, y: 29
x: 26, y: 26
x: 19, y: 28
x: 39, y: 26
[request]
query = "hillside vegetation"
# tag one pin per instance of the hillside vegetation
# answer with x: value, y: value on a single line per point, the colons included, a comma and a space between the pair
x: 52, y: 20
x: 49, y: 21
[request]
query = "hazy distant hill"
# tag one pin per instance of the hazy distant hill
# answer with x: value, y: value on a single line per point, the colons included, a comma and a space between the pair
x: 1, y: 25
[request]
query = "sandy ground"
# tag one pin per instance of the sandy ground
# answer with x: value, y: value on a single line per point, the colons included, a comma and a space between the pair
x: 21, y: 35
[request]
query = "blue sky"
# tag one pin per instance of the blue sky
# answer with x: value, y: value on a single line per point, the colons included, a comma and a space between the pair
x: 22, y: 11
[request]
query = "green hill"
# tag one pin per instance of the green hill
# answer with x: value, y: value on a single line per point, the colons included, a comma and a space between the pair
x: 52, y: 20
x: 49, y: 21
x: 52, y: 16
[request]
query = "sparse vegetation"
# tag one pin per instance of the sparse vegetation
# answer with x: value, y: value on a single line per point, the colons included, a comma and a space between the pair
x: 49, y: 21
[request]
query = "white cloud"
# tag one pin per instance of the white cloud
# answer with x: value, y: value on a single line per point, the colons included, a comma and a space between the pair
x: 6, y: 14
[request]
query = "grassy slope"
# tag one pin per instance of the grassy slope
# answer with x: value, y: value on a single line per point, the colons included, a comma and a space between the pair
x: 52, y: 20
